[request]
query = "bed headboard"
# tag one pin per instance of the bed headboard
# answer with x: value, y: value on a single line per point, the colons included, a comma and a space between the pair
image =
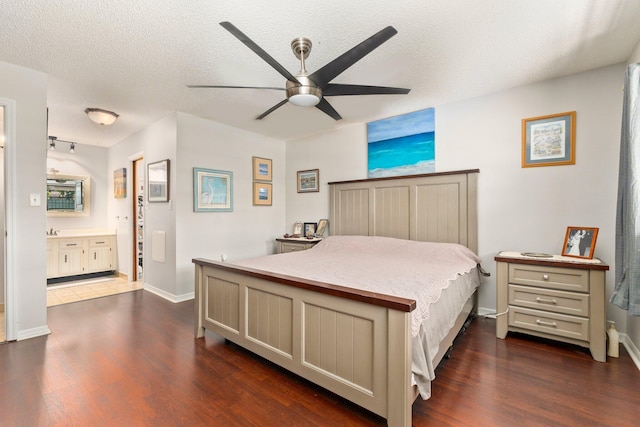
x: 437, y: 207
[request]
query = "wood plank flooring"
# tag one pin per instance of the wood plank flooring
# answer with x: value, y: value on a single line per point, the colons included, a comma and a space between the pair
x: 131, y: 360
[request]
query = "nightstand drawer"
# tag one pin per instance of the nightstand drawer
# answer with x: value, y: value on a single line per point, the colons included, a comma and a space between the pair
x: 549, y: 323
x: 564, y: 302
x: 567, y: 279
x: 292, y: 247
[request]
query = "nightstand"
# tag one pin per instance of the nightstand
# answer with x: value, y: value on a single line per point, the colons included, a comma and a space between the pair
x: 295, y: 244
x: 557, y: 298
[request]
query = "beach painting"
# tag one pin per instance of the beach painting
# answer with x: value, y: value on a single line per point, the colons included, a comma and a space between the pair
x: 402, y: 145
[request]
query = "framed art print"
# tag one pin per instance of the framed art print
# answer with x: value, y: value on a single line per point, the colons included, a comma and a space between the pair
x: 308, y: 181
x: 158, y: 176
x: 262, y: 193
x: 262, y: 169
x: 212, y: 190
x: 549, y: 140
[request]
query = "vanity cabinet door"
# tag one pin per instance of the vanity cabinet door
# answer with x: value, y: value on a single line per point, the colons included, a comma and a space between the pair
x: 100, y: 254
x: 100, y: 259
x: 70, y: 262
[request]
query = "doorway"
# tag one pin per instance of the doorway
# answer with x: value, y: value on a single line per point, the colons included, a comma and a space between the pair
x: 138, y: 220
x: 3, y: 292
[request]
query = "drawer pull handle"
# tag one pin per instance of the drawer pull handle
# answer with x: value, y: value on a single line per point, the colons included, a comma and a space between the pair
x: 71, y: 244
x: 545, y: 277
x: 546, y: 301
x: 543, y: 323
x: 99, y: 243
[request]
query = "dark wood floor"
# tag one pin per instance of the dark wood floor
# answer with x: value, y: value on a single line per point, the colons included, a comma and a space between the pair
x: 131, y: 359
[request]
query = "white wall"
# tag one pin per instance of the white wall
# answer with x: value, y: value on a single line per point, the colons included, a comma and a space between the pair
x: 155, y: 142
x: 28, y: 89
x: 520, y: 209
x: 88, y: 160
x: 249, y: 230
x: 188, y: 142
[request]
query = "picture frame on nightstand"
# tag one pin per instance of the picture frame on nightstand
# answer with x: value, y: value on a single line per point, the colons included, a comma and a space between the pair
x: 321, y: 228
x: 580, y: 242
x: 309, y: 229
x: 297, y: 229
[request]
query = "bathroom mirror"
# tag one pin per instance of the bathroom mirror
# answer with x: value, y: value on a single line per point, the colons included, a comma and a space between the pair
x: 68, y: 195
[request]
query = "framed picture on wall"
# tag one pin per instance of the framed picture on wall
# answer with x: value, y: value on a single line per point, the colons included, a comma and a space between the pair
x: 158, y: 178
x: 549, y: 140
x: 580, y: 242
x: 120, y: 183
x: 262, y: 169
x: 212, y: 190
x: 262, y: 193
x: 308, y: 181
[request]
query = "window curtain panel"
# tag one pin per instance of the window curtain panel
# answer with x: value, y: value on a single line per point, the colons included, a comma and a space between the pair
x: 627, y: 286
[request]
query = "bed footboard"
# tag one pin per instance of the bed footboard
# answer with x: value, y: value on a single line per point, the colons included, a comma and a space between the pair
x: 354, y: 346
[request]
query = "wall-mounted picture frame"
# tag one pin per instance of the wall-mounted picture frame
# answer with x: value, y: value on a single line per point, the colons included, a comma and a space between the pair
x: 322, y: 227
x: 158, y: 179
x: 212, y: 190
x: 120, y: 183
x: 308, y: 181
x: 309, y: 229
x: 297, y: 229
x: 262, y: 193
x: 549, y: 140
x: 262, y: 169
x: 580, y: 242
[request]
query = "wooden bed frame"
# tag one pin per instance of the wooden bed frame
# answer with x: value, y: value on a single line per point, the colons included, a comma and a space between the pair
x: 356, y: 344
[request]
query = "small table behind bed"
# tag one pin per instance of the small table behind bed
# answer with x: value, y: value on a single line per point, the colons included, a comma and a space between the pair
x: 356, y: 344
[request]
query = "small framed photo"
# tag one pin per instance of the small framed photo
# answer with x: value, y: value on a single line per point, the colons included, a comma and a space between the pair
x: 322, y: 226
x: 262, y: 169
x: 549, y: 140
x: 158, y: 178
x: 309, y: 229
x: 580, y: 242
x: 308, y: 181
x: 297, y: 229
x: 262, y: 193
x: 212, y: 190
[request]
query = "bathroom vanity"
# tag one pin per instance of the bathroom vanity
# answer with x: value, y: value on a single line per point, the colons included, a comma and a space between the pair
x: 83, y: 251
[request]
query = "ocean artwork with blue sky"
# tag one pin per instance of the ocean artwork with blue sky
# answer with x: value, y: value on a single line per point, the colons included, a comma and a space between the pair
x: 402, y: 145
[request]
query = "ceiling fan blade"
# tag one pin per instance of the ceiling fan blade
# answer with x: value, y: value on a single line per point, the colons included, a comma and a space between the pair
x: 258, y: 50
x: 327, y: 73
x: 333, y: 89
x: 272, y: 109
x: 326, y: 108
x: 234, y: 87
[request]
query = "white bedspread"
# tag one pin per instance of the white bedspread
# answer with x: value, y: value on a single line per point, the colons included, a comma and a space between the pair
x: 404, y: 268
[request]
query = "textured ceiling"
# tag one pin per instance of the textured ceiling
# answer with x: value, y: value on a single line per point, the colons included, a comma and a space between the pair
x: 136, y: 57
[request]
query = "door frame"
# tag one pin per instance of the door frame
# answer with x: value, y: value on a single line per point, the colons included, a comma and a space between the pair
x: 11, y: 302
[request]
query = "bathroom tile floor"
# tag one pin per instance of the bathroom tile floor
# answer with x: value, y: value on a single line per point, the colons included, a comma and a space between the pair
x: 88, y: 289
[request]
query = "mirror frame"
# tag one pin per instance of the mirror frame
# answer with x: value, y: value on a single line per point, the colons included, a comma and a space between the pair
x: 86, y: 195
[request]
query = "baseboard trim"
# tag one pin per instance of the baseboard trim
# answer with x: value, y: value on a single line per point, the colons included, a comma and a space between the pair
x: 33, y: 332
x: 169, y: 297
x: 631, y: 349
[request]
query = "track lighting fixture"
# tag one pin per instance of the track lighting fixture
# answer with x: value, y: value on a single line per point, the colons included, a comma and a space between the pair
x: 54, y: 139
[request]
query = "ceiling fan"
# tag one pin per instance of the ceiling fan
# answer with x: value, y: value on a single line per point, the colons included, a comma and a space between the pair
x: 309, y: 90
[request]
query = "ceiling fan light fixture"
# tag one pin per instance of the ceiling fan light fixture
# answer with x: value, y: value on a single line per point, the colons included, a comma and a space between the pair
x: 100, y: 116
x: 303, y: 96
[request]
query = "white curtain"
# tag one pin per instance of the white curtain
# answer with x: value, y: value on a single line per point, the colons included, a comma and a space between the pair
x: 627, y: 292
